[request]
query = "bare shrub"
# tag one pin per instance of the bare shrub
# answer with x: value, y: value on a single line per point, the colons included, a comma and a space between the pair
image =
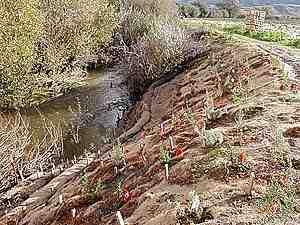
x: 154, y: 7
x: 165, y: 46
x: 135, y: 24
x: 22, y: 153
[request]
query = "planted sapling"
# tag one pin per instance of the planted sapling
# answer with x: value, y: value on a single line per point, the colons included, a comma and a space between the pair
x: 190, y: 117
x: 280, y: 149
x: 118, y: 154
x: 118, y: 188
x: 164, y: 155
x: 166, y: 159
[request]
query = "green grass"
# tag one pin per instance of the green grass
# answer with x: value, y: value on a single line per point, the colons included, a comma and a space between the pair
x: 270, y: 36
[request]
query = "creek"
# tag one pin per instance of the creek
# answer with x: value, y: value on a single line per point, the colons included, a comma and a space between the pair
x: 86, y: 115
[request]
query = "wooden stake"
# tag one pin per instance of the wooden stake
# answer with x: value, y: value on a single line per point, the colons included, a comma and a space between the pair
x: 120, y: 218
x: 60, y: 199
x: 195, y: 203
x: 252, y: 183
x: 41, y: 168
x: 167, y: 171
x: 116, y: 170
x: 73, y: 212
x: 162, y: 130
x: 172, y: 143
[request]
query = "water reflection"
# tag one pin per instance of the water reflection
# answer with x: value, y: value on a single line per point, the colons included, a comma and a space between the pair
x: 86, y: 114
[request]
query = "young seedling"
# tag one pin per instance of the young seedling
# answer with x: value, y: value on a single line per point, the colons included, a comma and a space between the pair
x: 118, y: 188
x: 285, y: 79
x: 166, y: 159
x: 280, y: 149
x: 118, y: 154
x: 164, y: 155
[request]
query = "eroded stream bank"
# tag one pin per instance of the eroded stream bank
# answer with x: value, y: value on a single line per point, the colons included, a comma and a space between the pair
x: 250, y: 124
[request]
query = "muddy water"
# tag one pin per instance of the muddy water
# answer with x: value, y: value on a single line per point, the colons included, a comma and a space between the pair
x: 86, y: 114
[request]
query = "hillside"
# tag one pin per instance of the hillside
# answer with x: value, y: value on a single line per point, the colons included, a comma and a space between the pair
x: 279, y: 7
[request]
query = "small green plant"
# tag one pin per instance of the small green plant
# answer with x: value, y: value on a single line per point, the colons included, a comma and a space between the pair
x: 190, y: 117
x: 284, y: 76
x: 280, y: 149
x: 213, y: 137
x: 236, y: 98
x: 90, y: 188
x: 83, y: 178
x: 278, y: 199
x: 165, y: 155
x: 275, y: 62
x: 118, y: 188
x: 293, y: 97
x: 118, y: 154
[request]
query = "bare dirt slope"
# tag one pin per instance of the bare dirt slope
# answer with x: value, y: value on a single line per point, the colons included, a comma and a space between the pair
x: 236, y: 124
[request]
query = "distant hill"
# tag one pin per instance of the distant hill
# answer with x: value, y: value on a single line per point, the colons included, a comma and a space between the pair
x: 279, y: 7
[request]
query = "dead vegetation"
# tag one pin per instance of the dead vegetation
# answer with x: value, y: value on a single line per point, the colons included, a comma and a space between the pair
x: 23, y: 154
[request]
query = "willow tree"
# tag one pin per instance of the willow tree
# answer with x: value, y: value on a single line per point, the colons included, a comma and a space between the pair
x: 74, y: 29
x: 43, y: 44
x: 20, y: 26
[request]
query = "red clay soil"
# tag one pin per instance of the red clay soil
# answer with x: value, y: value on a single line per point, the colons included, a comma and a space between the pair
x: 221, y: 173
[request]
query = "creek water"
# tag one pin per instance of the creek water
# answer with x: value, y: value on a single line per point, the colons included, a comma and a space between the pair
x: 86, y: 114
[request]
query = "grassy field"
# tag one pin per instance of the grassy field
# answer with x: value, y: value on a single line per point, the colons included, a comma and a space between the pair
x: 279, y: 34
